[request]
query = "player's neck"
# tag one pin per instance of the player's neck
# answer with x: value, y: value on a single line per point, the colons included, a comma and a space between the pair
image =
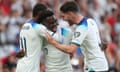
x: 34, y: 19
x: 78, y: 18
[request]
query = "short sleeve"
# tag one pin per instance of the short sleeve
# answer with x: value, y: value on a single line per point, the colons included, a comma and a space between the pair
x: 79, y: 35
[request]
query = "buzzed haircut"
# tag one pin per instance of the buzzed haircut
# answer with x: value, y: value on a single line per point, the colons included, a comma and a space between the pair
x: 38, y: 8
x: 44, y: 15
x: 69, y: 6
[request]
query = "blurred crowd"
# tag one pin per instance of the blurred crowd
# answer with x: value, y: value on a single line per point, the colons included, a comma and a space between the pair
x: 14, y: 13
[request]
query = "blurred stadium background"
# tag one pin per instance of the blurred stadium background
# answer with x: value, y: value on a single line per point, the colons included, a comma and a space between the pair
x: 14, y: 13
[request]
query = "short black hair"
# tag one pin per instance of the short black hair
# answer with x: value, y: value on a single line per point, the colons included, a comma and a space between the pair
x: 44, y: 15
x: 47, y: 19
x: 37, y: 8
x: 69, y: 6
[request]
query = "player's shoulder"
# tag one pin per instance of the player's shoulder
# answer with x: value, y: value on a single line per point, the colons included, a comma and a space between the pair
x: 38, y: 26
x: 26, y: 26
x: 83, y: 24
x: 86, y: 22
x: 35, y: 25
x: 91, y: 21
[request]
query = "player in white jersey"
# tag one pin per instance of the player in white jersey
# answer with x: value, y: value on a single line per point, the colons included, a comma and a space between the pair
x: 56, y: 60
x: 31, y: 42
x: 86, y: 36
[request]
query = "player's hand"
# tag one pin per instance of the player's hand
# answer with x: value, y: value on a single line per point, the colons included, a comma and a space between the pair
x: 50, y: 39
x: 20, y: 54
x: 104, y: 45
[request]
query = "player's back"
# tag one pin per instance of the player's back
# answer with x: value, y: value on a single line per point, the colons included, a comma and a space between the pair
x: 94, y: 51
x: 31, y: 42
x: 56, y: 60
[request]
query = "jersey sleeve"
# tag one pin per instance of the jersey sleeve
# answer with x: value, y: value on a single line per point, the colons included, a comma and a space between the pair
x: 79, y: 35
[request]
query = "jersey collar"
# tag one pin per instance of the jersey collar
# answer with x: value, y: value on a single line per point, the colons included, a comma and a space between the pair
x: 83, y: 20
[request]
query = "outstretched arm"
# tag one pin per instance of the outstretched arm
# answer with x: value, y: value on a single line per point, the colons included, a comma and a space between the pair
x: 65, y: 48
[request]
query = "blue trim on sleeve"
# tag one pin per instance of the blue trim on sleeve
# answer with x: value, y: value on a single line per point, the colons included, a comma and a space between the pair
x: 75, y: 44
x: 79, y: 51
x: 53, y: 34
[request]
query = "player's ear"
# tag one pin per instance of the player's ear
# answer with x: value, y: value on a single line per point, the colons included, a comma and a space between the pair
x: 70, y: 13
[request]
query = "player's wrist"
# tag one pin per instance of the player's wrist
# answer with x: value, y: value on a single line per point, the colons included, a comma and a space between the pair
x: 54, y: 43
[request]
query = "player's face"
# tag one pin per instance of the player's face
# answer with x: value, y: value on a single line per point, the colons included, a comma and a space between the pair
x: 67, y: 17
x: 52, y: 22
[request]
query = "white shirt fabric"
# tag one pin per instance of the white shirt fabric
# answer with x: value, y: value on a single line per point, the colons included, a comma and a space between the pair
x: 56, y: 60
x: 31, y: 40
x: 87, y: 37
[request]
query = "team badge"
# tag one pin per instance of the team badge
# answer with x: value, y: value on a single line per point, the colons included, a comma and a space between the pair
x: 77, y: 34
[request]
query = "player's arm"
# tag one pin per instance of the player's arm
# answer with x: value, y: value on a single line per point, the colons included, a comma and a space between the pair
x: 21, y: 52
x: 65, y: 48
x: 78, y: 38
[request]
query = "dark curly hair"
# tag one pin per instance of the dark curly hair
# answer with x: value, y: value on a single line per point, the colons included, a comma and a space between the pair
x: 38, y: 8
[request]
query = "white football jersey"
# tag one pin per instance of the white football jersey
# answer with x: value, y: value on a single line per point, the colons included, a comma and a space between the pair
x: 56, y: 60
x: 87, y: 37
x: 31, y: 40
